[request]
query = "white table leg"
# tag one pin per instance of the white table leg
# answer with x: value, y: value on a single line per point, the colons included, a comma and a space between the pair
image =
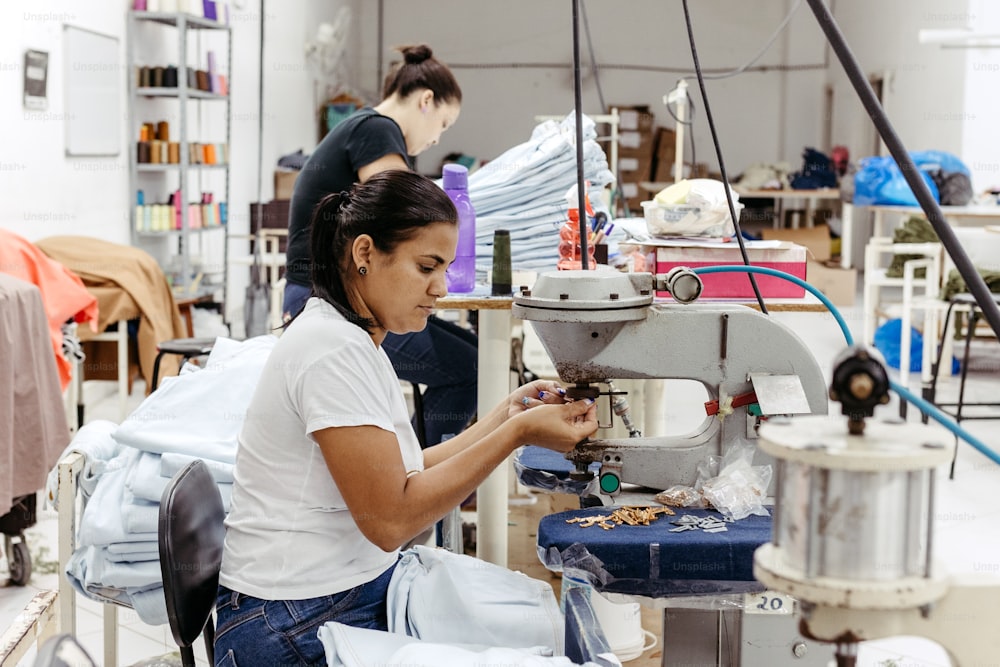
x: 494, y: 386
x: 846, y: 234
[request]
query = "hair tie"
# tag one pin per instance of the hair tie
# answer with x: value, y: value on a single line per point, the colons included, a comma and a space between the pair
x: 345, y: 199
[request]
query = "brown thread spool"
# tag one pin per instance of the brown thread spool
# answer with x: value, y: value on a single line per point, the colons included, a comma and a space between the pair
x: 142, y: 152
x: 174, y: 152
x: 144, y: 77
x: 157, y: 77
x: 163, y: 131
x: 155, y: 151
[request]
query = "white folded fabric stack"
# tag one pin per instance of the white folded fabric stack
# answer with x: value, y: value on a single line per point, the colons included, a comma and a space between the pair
x: 524, y: 191
x: 194, y: 415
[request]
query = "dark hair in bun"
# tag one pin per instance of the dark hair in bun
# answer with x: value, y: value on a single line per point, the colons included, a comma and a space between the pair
x: 420, y: 70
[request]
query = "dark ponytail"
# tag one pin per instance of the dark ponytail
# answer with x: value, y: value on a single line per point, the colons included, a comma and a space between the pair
x: 420, y: 70
x: 390, y: 207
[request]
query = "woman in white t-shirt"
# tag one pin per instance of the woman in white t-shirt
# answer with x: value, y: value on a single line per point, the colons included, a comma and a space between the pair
x: 330, y: 480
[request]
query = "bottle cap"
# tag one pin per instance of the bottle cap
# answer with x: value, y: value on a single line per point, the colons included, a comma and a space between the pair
x: 455, y: 177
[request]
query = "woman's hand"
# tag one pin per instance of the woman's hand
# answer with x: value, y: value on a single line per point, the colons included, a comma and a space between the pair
x: 534, y: 394
x: 558, y: 427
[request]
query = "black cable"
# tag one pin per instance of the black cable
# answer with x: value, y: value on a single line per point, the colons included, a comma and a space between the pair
x: 604, y: 107
x: 974, y: 281
x: 718, y: 152
x: 581, y: 195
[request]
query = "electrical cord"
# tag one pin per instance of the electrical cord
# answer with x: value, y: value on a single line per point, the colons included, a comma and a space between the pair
x: 904, y: 393
x: 604, y: 107
x: 718, y: 153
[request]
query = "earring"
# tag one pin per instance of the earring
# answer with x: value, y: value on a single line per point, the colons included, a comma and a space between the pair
x: 363, y: 270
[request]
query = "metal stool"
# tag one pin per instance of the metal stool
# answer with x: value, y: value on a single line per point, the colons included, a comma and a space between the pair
x: 187, y: 348
x: 966, y: 301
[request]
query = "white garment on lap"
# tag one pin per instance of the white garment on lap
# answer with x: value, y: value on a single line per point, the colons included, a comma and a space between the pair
x: 290, y: 535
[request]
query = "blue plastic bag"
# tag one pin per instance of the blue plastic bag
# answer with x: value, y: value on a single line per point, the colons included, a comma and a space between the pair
x: 888, y: 341
x: 879, y: 180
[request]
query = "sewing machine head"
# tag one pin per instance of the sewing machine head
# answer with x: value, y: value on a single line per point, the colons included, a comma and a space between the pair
x: 600, y: 326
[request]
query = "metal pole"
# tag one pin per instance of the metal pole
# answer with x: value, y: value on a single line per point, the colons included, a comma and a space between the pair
x: 977, y: 286
x: 581, y: 195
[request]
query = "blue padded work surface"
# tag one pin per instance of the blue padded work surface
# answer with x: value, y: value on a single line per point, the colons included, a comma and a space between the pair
x: 652, y: 561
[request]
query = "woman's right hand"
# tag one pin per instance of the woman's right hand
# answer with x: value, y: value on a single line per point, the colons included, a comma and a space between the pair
x: 558, y: 426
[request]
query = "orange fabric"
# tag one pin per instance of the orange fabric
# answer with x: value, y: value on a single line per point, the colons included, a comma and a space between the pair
x: 63, y: 293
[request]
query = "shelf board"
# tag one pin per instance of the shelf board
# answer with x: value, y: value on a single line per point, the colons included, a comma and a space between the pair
x: 175, y: 232
x: 160, y: 166
x: 173, y: 18
x: 192, y: 93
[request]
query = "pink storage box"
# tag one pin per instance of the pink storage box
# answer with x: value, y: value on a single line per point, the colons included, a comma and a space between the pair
x: 789, y: 258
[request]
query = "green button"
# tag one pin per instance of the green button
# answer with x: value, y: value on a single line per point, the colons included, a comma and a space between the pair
x: 610, y: 483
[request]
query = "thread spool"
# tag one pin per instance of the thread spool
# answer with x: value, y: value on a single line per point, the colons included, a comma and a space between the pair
x: 163, y: 131
x: 174, y: 152
x: 170, y: 76
x: 142, y: 152
x: 157, y: 77
x: 155, y: 152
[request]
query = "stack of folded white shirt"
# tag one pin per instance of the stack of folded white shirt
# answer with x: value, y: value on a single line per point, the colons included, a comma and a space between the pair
x: 195, y: 415
x: 524, y: 191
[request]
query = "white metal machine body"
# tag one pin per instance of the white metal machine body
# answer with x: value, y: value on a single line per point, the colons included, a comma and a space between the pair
x: 600, y: 326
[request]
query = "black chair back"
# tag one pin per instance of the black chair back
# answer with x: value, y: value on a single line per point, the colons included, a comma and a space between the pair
x: 191, y: 535
x: 63, y: 651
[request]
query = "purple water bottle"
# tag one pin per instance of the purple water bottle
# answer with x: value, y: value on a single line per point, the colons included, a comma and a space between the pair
x: 462, y: 273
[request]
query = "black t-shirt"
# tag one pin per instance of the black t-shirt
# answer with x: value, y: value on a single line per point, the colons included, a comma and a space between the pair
x: 355, y: 142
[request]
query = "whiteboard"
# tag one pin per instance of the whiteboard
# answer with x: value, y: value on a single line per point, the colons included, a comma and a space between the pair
x: 93, y: 75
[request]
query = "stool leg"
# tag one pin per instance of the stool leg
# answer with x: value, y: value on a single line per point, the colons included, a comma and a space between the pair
x: 931, y: 392
x: 973, y: 317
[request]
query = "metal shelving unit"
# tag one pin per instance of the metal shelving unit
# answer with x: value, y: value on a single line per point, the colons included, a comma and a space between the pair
x: 145, y: 172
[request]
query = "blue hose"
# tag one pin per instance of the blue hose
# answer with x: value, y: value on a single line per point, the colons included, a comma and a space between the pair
x: 903, y: 392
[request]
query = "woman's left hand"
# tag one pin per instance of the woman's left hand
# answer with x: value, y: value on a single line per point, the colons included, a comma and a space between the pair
x: 534, y: 393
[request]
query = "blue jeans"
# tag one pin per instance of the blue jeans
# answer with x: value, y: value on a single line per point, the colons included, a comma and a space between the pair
x: 443, y: 357
x: 250, y: 631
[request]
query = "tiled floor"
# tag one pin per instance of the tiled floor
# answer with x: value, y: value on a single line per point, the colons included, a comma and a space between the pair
x: 967, y: 538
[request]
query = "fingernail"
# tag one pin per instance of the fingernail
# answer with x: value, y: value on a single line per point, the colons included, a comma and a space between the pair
x: 541, y: 394
x: 562, y: 392
x: 590, y: 401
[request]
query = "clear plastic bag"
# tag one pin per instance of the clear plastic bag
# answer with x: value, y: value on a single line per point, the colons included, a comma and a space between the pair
x: 729, y: 483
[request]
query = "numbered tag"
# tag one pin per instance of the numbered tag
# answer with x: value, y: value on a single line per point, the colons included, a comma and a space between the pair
x: 768, y: 602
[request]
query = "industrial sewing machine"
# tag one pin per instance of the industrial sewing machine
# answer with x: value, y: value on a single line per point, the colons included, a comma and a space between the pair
x: 600, y: 326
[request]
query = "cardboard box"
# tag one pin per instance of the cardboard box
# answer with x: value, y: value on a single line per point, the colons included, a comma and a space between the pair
x: 816, y: 239
x: 822, y: 272
x: 666, y: 151
x: 839, y: 285
x: 790, y: 258
x: 284, y: 183
x: 635, y: 117
x: 635, y: 169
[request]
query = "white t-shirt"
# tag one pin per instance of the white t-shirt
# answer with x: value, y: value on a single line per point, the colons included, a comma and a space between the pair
x: 289, y: 534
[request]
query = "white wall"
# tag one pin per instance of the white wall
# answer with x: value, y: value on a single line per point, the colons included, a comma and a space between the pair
x: 46, y: 193
x: 482, y: 41
x: 981, y: 141
x: 926, y: 89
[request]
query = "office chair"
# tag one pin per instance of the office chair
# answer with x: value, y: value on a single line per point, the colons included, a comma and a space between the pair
x: 63, y: 651
x: 191, y: 534
x: 186, y: 348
